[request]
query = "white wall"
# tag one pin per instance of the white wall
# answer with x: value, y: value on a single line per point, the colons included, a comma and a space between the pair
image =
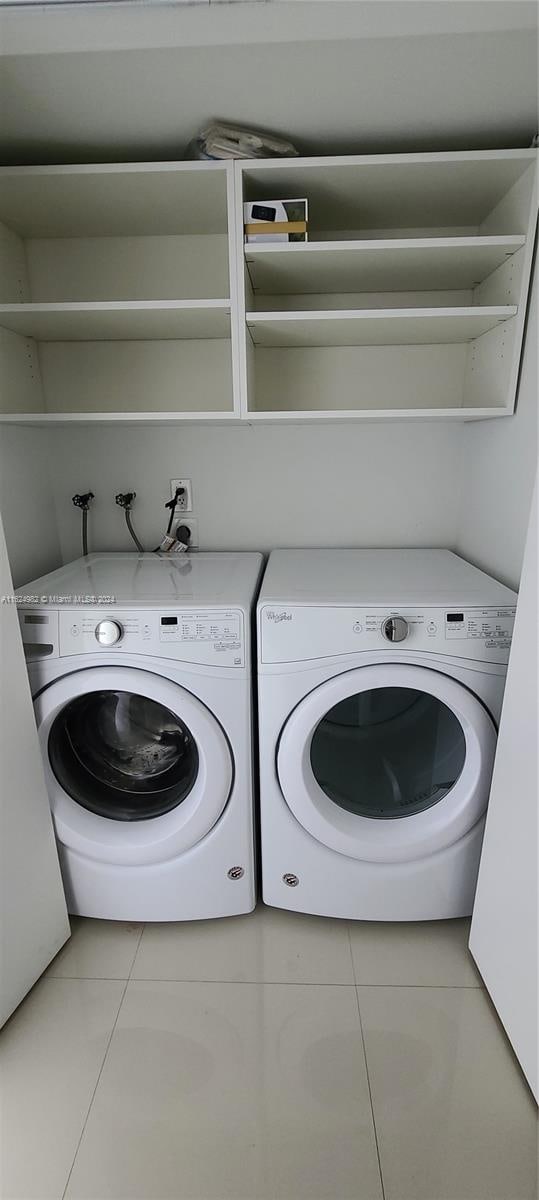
x: 27, y: 503
x: 260, y: 487
x: 388, y: 76
x: 498, y: 468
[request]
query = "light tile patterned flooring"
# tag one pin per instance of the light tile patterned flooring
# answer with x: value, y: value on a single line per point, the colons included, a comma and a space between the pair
x: 266, y: 1057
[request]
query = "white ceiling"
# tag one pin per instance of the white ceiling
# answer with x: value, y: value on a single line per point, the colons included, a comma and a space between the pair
x: 137, y: 81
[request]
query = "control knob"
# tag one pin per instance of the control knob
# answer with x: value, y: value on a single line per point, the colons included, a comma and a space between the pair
x: 108, y: 632
x: 395, y: 629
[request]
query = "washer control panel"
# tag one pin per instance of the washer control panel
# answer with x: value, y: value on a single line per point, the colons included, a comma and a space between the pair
x: 188, y: 626
x: 299, y: 633
x: 208, y: 637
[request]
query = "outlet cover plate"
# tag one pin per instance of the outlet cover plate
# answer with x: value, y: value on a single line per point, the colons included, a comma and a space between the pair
x: 185, y: 502
x: 192, y: 524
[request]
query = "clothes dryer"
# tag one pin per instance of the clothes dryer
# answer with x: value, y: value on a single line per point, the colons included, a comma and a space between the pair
x: 380, y: 677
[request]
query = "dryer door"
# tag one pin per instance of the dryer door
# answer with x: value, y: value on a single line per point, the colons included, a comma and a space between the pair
x: 387, y: 763
x: 137, y: 768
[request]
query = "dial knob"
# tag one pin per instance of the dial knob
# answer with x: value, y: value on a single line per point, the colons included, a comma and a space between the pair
x: 108, y: 632
x: 395, y: 629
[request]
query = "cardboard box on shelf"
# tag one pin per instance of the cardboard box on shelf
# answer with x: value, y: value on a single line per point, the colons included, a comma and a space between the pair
x: 276, y: 220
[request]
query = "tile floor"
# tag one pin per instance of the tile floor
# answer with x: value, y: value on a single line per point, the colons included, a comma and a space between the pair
x: 268, y: 1057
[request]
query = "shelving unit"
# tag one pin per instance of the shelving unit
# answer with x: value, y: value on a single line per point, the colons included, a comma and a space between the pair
x: 116, y: 292
x: 127, y: 291
x: 409, y: 298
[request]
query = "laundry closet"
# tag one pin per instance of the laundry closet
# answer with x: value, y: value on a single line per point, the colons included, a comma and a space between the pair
x: 373, y: 387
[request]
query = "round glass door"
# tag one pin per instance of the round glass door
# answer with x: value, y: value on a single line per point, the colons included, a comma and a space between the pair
x: 388, y: 762
x: 388, y: 752
x: 138, y: 768
x: 122, y: 755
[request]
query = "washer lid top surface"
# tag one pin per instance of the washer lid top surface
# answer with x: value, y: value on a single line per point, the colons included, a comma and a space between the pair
x: 378, y: 577
x: 153, y: 580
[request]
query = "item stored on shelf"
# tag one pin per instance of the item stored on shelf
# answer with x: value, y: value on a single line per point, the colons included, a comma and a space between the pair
x: 220, y: 141
x: 276, y: 220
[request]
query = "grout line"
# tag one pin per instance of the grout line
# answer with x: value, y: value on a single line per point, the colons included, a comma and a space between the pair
x: 448, y: 987
x: 98, y: 978
x: 243, y: 982
x: 349, y: 935
x: 430, y: 987
x: 136, y: 952
x: 350, y: 951
x: 370, y: 1098
x: 95, y: 1089
x: 368, y: 1081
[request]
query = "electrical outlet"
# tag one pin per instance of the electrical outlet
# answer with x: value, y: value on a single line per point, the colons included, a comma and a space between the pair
x: 185, y: 502
x: 192, y: 525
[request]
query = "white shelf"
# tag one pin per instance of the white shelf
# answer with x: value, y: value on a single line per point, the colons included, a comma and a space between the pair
x: 375, y: 327
x: 119, y: 321
x: 321, y: 416
x: 393, y: 264
x: 216, y: 417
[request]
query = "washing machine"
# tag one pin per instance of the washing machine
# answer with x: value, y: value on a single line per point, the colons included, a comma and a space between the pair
x: 380, y: 680
x: 141, y: 677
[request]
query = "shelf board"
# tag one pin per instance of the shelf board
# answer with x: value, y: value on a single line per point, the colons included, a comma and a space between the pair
x: 154, y: 320
x: 217, y: 417
x: 393, y: 264
x: 375, y: 327
x: 313, y: 416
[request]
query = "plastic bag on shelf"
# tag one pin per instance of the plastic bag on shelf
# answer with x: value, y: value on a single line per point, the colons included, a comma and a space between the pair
x: 219, y: 141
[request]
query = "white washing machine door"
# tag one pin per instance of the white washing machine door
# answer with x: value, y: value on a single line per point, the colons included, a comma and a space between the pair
x: 138, y: 769
x: 387, y: 763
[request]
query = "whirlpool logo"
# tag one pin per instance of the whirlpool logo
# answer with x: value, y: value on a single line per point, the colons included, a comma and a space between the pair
x: 277, y: 617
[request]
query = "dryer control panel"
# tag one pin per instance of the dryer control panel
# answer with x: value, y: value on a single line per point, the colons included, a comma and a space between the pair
x: 302, y: 633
